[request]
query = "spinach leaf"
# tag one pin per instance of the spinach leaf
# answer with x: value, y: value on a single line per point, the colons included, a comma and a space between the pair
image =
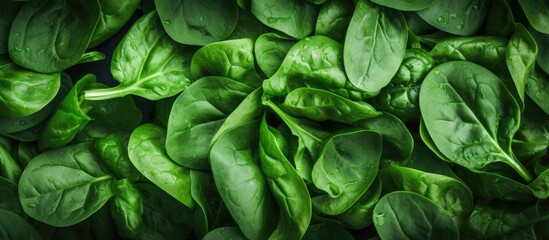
x: 232, y: 233
x: 210, y: 212
x: 113, y: 152
x: 24, y: 92
x: 164, y: 217
x: 112, y: 17
x: 521, y: 57
x: 293, y: 17
x: 537, y: 13
x: 9, y: 168
x: 346, y: 167
x: 374, y: 47
x: 72, y: 178
x: 232, y: 58
x: 51, y: 36
x: 148, y: 154
x: 197, y: 22
x: 537, y: 88
x: 542, y: 40
x: 287, y: 187
x: 235, y: 165
x: 531, y: 140
x: 147, y: 63
x: 462, y: 18
x: 493, y: 219
x: 322, y: 105
x: 392, y: 218
x: 7, y: 14
x: 196, y: 116
x: 447, y: 192
x: 247, y: 26
x: 270, y: 50
x: 406, y: 5
x: 470, y: 116
x: 126, y: 208
x: 13, y: 226
x: 69, y: 118
x: 312, y: 62
x: 333, y: 18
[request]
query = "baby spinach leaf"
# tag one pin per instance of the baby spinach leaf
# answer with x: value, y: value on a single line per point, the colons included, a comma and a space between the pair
x: 494, y: 219
x: 197, y: 22
x: 232, y: 58
x: 537, y: 13
x: 542, y: 41
x: 147, y: 63
x: 113, y: 152
x: 51, y: 36
x: 247, y: 26
x: 392, y: 218
x: 462, y: 18
x: 521, y: 57
x: 270, y: 50
x: 69, y: 118
x: 235, y: 165
x: 447, y: 192
x: 346, y: 167
x: 164, y: 217
x: 24, y: 92
x: 126, y: 208
x: 532, y: 138
x: 148, y: 154
x: 333, y: 18
x: 13, y: 226
x: 196, y: 116
x: 287, y: 187
x: 470, y: 116
x: 537, y: 88
x: 406, y: 5
x: 322, y: 105
x: 374, y: 46
x: 112, y: 17
x: 69, y: 177
x: 9, y: 168
x: 312, y: 62
x: 293, y: 17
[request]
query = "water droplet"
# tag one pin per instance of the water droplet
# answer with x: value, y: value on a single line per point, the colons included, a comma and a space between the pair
x: 166, y: 22
x: 272, y: 19
x: 460, y: 26
x: 442, y: 20
x: 380, y: 219
x: 475, y: 7
x: 222, y: 230
x: 201, y: 19
x: 482, y: 95
x: 436, y: 73
x: 453, y: 16
x: 23, y: 122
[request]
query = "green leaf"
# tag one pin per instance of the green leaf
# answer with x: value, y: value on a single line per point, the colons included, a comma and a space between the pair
x: 333, y: 18
x: 270, y: 50
x: 346, y: 167
x: 63, y: 187
x: 147, y: 63
x: 537, y: 13
x: 148, y: 154
x: 470, y: 116
x: 406, y: 5
x: 113, y: 16
x: 13, y: 226
x: 521, y: 57
x: 392, y: 218
x: 293, y: 17
x: 462, y: 18
x: 198, y: 22
x: 51, y: 36
x: 374, y: 46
